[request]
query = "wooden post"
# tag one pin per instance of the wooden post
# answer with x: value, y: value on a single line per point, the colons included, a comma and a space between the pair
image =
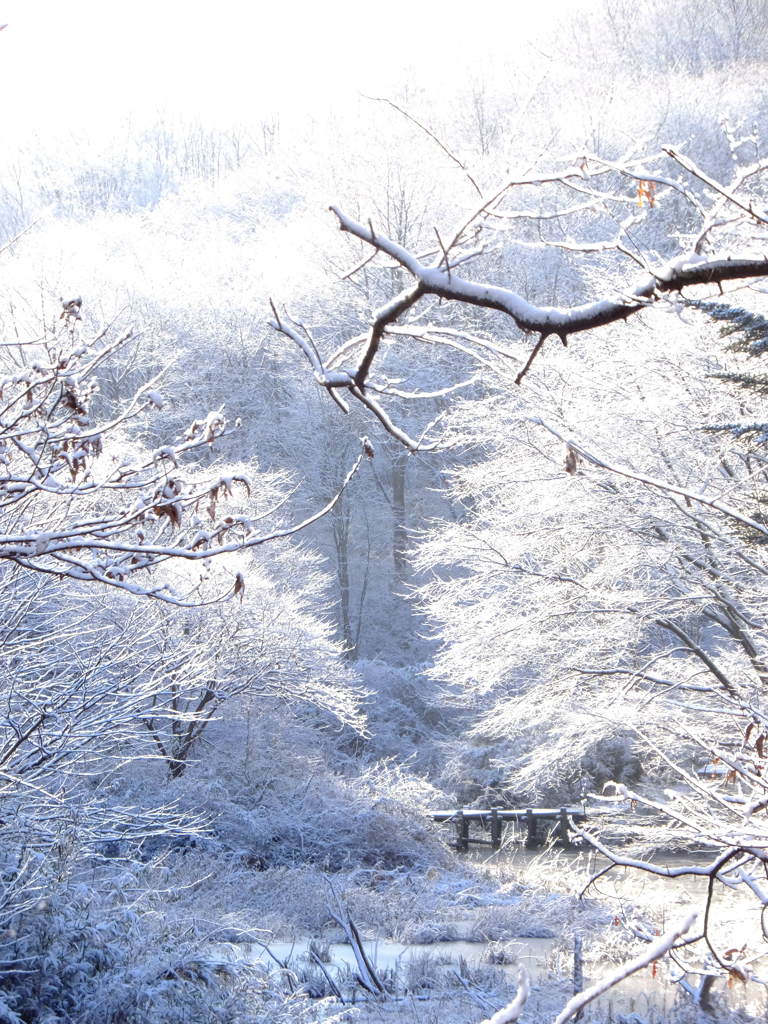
x: 578, y: 970
x: 565, y: 836
x: 462, y: 832
x: 704, y: 994
x: 495, y: 829
x: 530, y: 839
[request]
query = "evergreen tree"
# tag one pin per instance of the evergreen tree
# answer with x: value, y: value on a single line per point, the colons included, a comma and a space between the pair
x: 747, y: 334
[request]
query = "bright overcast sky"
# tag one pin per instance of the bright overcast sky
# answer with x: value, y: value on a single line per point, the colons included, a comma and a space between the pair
x: 88, y: 62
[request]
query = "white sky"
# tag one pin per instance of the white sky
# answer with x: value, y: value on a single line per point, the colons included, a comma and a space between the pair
x: 90, y: 62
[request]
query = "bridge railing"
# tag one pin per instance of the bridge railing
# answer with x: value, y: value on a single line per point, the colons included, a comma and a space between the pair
x: 493, y: 820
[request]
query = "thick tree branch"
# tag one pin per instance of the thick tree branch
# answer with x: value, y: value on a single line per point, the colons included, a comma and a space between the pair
x: 684, y: 271
x: 436, y: 274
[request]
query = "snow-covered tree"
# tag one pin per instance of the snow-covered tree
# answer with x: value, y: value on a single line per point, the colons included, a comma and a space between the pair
x: 601, y: 595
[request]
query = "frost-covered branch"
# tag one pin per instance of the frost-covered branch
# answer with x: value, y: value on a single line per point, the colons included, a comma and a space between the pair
x: 727, y: 193
x: 723, y: 249
x: 82, y: 501
x: 671, y: 488
x: 653, y: 952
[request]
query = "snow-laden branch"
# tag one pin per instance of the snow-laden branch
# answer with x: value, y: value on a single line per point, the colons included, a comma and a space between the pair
x: 83, y: 555
x: 654, y: 951
x: 681, y: 272
x: 79, y: 504
x: 436, y: 275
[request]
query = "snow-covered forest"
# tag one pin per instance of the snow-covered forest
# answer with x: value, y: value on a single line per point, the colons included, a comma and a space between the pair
x: 369, y: 454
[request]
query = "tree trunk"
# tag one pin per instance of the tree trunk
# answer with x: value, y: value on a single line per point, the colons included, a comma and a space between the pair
x: 341, y: 542
x: 399, y: 527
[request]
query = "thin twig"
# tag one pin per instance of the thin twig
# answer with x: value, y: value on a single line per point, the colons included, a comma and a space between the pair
x: 431, y: 134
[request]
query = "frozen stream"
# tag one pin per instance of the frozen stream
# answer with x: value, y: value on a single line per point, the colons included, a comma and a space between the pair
x: 414, y: 967
x: 418, y: 969
x: 471, y: 962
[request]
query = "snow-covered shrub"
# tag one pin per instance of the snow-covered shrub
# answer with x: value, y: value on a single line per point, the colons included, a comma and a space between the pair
x: 99, y: 952
x: 279, y: 791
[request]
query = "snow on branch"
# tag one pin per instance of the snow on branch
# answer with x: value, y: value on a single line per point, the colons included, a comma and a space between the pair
x: 686, y: 270
x: 78, y: 504
x: 661, y: 485
x: 654, y: 951
x: 759, y: 215
x: 653, y: 179
x: 573, y: 1008
x: 511, y: 1012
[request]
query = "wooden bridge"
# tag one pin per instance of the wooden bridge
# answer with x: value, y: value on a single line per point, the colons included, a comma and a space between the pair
x: 494, y: 819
